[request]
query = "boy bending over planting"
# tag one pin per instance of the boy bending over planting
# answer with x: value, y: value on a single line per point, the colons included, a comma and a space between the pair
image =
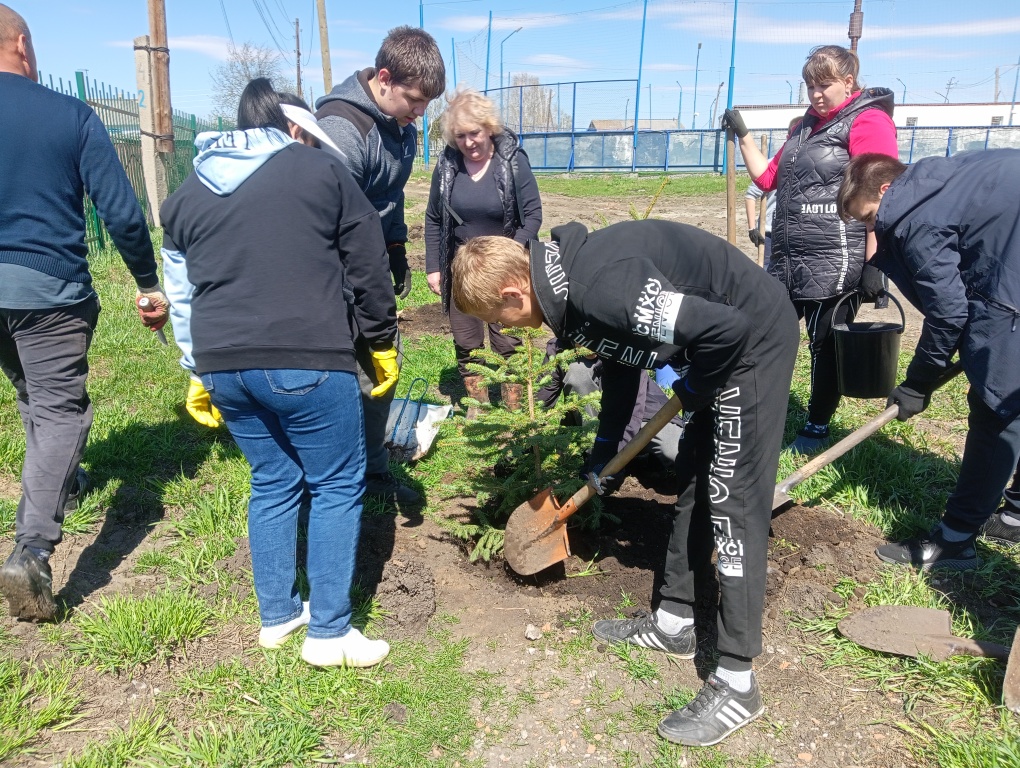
x: 640, y: 294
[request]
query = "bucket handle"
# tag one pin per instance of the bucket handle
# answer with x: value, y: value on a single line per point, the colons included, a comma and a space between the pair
x: 903, y: 317
x: 408, y: 399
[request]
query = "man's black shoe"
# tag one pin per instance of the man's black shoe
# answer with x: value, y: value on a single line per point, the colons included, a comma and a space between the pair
x: 385, y: 487
x: 932, y: 552
x: 79, y: 487
x: 715, y: 713
x: 27, y: 583
x: 642, y: 630
x: 998, y: 531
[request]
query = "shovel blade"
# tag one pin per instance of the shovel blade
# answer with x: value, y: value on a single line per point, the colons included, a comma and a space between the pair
x: 1011, y: 684
x: 536, y: 535
x: 897, y: 628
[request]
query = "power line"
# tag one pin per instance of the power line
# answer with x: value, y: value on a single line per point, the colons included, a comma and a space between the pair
x: 227, y: 22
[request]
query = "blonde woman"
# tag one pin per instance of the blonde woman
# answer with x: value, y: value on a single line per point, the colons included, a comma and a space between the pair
x: 482, y: 185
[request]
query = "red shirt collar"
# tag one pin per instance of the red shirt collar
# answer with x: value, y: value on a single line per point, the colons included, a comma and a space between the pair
x: 823, y: 120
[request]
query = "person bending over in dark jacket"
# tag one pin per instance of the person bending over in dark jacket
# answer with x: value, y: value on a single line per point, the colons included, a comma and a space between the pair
x: 261, y: 244
x: 482, y: 185
x: 640, y: 294
x: 584, y: 377
x: 948, y: 237
x: 816, y: 255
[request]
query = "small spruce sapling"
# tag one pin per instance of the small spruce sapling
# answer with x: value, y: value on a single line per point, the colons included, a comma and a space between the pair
x: 527, y: 450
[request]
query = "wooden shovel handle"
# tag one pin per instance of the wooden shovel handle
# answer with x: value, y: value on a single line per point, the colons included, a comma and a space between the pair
x: 937, y: 646
x: 644, y: 436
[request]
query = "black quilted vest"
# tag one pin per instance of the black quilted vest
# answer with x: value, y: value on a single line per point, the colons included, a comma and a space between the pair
x: 814, y: 253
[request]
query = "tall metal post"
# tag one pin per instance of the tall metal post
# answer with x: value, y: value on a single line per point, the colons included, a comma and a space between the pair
x: 1012, y: 106
x: 791, y: 90
x: 637, y: 96
x: 697, y: 64
x: 297, y: 54
x: 904, y: 99
x: 680, y: 105
x: 501, y: 68
x: 453, y: 53
x: 729, y: 90
x: 488, y: 48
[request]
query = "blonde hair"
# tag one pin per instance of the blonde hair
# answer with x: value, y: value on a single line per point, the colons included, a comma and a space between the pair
x: 828, y: 63
x: 469, y: 106
x: 482, y: 268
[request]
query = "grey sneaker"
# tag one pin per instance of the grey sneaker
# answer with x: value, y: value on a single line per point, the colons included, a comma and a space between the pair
x: 27, y: 582
x: 715, y: 713
x: 385, y: 487
x: 1000, y: 532
x: 810, y: 440
x: 642, y: 630
x: 932, y: 552
x: 79, y: 487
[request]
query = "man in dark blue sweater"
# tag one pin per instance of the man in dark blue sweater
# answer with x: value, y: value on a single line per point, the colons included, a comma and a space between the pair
x: 53, y: 151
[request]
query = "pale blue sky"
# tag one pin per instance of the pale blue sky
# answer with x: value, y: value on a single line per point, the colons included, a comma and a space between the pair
x: 917, y: 45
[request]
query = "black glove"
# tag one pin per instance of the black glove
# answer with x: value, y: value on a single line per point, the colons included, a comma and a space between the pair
x: 599, y: 455
x: 756, y: 237
x: 400, y: 269
x: 731, y: 119
x: 873, y: 286
x: 910, y: 400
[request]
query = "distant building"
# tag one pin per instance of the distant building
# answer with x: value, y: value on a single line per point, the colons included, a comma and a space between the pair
x: 979, y: 115
x: 628, y: 125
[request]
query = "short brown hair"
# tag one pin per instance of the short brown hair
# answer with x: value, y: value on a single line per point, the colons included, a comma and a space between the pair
x: 864, y: 177
x: 827, y: 63
x: 482, y: 268
x: 413, y: 60
x: 469, y: 106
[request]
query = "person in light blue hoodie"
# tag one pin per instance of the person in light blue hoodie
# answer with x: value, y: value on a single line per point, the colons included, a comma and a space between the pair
x: 271, y: 254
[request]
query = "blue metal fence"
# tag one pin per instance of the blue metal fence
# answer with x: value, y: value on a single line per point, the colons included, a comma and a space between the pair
x: 702, y: 150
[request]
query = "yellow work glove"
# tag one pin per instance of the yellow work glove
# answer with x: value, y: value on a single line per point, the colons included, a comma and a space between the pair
x: 386, y: 370
x: 200, y: 406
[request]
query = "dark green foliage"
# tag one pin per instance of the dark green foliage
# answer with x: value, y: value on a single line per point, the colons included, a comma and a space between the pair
x: 522, y: 452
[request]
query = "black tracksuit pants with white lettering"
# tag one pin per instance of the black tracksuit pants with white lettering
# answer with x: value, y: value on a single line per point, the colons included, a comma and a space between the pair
x: 727, y: 464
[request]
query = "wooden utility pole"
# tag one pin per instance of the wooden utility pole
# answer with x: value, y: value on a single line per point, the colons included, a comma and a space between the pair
x: 327, y: 67
x: 763, y: 206
x: 297, y: 54
x: 153, y: 167
x: 164, y: 128
x: 856, y: 25
x: 996, y: 99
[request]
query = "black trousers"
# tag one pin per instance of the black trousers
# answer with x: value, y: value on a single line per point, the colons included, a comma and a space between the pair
x: 819, y: 317
x: 990, y: 456
x: 469, y: 335
x: 44, y: 353
x: 727, y: 463
x: 1011, y: 505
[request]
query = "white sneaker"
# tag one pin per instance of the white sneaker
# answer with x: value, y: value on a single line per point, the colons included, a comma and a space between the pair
x: 351, y: 650
x: 276, y: 636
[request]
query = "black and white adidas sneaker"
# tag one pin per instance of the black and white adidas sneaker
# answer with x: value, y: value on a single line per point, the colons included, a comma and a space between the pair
x: 715, y: 713
x: 642, y: 630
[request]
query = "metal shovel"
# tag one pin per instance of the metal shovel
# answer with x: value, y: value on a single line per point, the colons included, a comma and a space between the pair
x: 536, y: 533
x: 781, y: 496
x: 907, y: 630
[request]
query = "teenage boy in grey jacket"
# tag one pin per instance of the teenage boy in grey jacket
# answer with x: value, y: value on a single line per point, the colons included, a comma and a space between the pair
x: 370, y: 116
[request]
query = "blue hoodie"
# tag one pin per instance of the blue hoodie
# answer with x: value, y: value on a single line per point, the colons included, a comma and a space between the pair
x: 258, y: 245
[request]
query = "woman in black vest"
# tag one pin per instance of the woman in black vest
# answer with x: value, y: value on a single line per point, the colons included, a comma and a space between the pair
x: 482, y: 185
x: 819, y: 257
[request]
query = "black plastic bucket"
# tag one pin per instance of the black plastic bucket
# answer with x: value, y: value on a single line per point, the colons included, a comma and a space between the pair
x: 867, y: 354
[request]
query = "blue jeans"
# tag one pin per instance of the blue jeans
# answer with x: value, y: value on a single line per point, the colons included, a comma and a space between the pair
x: 299, y: 430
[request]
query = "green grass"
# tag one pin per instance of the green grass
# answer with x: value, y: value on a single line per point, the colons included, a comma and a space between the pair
x: 123, y: 632
x: 33, y: 700
x: 624, y: 185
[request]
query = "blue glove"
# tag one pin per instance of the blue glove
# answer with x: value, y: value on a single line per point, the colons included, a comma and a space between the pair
x: 665, y: 377
x: 601, y: 452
